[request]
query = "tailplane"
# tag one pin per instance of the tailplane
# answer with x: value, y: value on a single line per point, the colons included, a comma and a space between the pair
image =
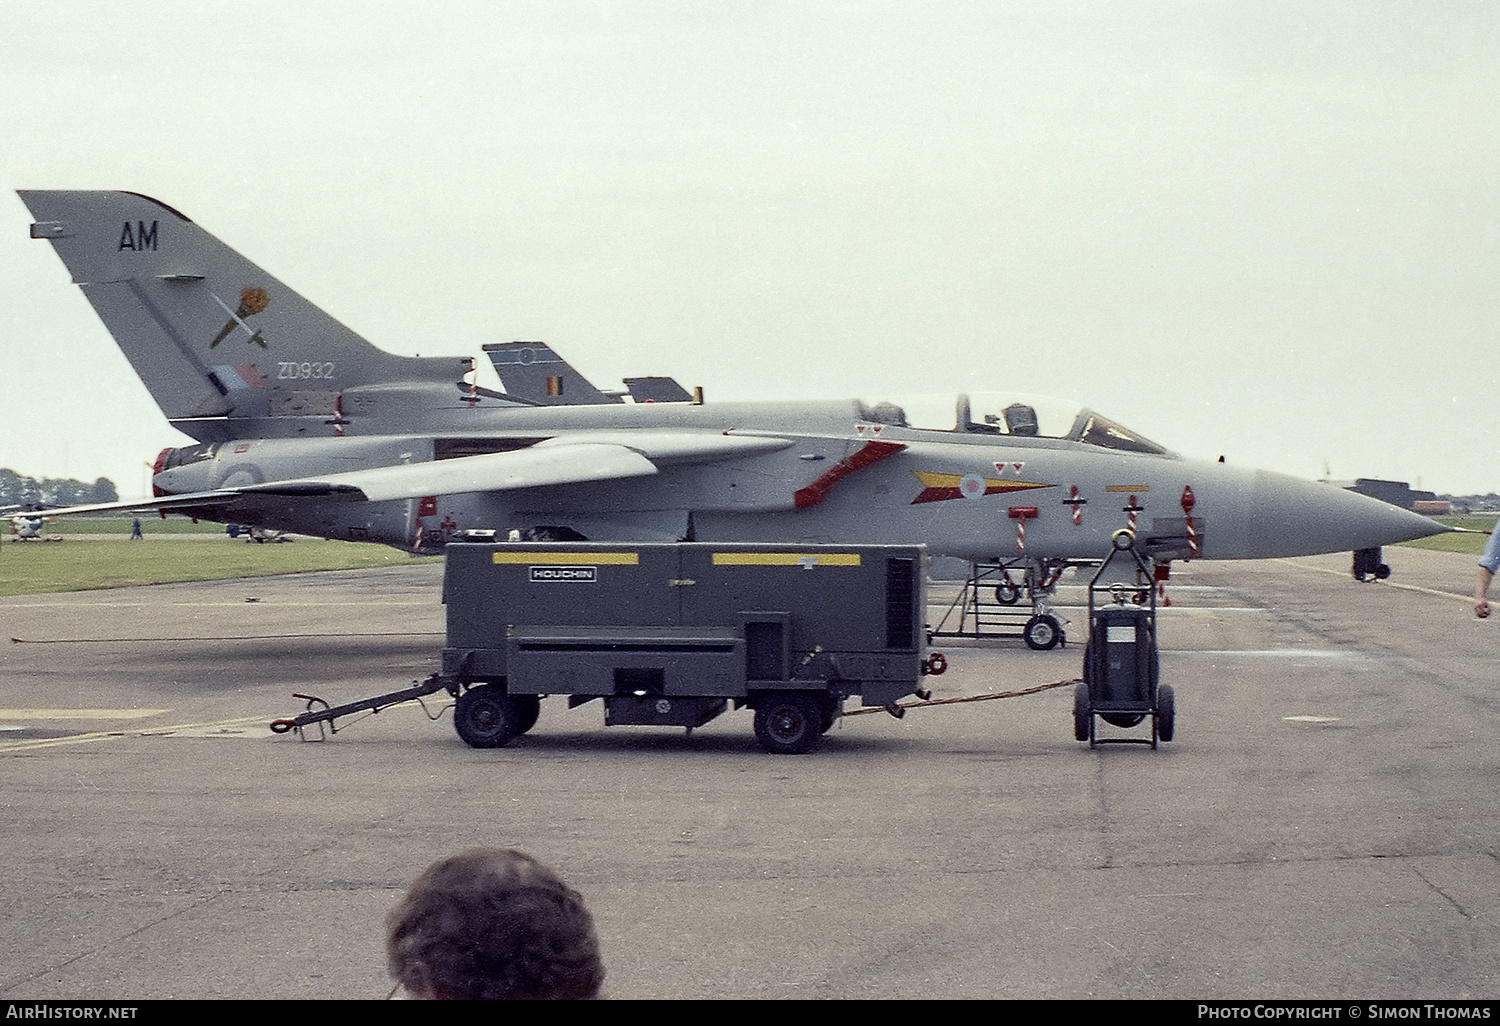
x: 214, y: 338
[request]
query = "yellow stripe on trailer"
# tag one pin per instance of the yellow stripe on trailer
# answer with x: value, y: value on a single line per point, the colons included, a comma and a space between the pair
x: 569, y: 558
x: 786, y: 559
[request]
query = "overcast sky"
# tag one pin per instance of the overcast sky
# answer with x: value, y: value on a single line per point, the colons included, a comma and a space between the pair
x: 1266, y: 231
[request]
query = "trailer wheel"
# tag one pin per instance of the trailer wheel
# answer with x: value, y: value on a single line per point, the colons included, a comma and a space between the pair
x: 1007, y: 593
x: 486, y: 717
x: 1043, y: 632
x: 1082, y: 715
x: 1166, y: 712
x: 788, y: 724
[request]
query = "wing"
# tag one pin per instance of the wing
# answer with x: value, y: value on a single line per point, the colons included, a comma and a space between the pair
x: 568, y: 459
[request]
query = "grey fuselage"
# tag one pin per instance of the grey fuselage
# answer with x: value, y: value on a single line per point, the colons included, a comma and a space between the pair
x: 1070, y: 496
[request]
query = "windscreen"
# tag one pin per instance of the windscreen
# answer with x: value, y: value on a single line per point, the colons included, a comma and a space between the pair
x: 1007, y: 413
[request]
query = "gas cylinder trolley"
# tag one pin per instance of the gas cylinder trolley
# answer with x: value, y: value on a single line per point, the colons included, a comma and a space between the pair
x: 1120, y: 661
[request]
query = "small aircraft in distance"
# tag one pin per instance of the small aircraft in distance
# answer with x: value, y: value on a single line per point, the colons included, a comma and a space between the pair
x: 30, y: 525
x: 304, y: 426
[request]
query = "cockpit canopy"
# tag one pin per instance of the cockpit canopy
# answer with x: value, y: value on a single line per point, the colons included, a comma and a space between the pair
x: 1008, y: 413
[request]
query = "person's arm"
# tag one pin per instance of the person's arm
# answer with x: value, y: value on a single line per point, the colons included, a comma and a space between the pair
x: 1489, y: 563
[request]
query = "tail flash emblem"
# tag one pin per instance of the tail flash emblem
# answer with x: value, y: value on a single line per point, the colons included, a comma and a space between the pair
x: 253, y: 300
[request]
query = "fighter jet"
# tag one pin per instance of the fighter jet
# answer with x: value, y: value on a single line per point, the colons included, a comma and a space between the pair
x: 302, y: 425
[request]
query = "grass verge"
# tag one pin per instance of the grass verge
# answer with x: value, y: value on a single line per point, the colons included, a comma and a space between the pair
x: 68, y: 526
x: 33, y: 568
x: 1469, y: 544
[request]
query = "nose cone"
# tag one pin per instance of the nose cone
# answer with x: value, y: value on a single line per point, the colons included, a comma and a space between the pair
x: 1290, y: 517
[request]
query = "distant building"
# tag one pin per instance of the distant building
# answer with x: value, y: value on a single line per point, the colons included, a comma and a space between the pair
x: 1397, y: 493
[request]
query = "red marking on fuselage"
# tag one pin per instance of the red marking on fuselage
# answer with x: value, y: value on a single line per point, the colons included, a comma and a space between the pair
x: 156, y: 468
x: 870, y: 452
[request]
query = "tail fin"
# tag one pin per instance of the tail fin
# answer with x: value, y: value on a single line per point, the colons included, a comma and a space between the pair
x: 533, y: 373
x: 213, y: 337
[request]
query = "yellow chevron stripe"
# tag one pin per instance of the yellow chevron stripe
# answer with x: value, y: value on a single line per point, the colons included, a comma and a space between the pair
x: 931, y: 480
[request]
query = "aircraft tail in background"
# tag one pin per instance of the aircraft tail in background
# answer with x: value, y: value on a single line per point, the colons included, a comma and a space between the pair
x: 533, y: 373
x: 213, y: 337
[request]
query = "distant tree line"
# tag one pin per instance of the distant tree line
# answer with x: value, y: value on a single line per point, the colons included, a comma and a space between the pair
x: 16, y: 490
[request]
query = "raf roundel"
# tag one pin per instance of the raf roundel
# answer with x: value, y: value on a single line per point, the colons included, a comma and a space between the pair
x: 972, y: 486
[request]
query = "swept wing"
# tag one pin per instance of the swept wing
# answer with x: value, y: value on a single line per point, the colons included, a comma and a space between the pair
x: 568, y: 459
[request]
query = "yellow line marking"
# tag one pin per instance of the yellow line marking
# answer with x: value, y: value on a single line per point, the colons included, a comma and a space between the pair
x: 77, y: 739
x: 569, y: 558
x: 1387, y: 584
x: 1127, y: 488
x: 786, y: 559
x: 79, y: 714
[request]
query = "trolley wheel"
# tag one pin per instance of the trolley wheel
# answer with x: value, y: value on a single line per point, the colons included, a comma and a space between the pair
x: 1083, y: 716
x: 1166, y: 712
x: 1382, y: 572
x: 788, y: 723
x: 1043, y: 632
x: 486, y: 717
x: 528, y: 708
x: 1007, y: 593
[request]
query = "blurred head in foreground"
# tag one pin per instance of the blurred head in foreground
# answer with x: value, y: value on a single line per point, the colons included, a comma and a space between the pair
x: 488, y: 923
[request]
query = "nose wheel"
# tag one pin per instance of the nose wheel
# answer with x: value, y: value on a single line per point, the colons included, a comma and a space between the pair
x: 1042, y: 632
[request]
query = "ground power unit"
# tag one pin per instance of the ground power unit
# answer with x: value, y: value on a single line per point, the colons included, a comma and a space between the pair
x: 676, y: 634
